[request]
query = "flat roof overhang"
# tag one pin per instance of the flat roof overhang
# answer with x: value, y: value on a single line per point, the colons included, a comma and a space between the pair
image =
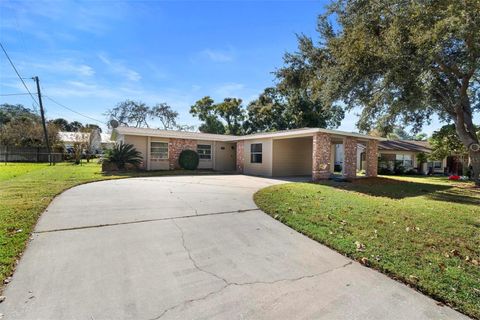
x: 285, y: 134
x: 308, y: 132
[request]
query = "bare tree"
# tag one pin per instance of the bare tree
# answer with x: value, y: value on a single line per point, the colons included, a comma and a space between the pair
x: 166, y: 115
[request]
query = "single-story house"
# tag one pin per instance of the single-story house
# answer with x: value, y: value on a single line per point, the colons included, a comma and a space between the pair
x: 405, y: 152
x: 97, y: 141
x: 306, y: 151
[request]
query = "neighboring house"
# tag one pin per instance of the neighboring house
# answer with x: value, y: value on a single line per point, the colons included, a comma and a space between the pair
x: 307, y: 151
x: 97, y: 141
x: 405, y: 152
x: 105, y: 141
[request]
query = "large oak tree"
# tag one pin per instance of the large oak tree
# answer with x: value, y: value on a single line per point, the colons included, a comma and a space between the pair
x: 402, y: 62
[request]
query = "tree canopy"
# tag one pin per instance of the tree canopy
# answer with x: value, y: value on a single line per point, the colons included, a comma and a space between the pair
x: 10, y: 112
x: 445, y: 142
x: 20, y: 126
x: 268, y: 113
x: 138, y: 114
x: 300, y: 85
x: 400, y: 62
x: 225, y: 117
x: 166, y: 115
x: 74, y: 126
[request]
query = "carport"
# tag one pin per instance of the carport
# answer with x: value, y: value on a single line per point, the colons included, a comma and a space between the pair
x: 307, y: 151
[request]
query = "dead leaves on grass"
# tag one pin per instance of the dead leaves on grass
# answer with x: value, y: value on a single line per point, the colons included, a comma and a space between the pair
x: 360, y: 246
x: 413, y: 229
x: 455, y: 253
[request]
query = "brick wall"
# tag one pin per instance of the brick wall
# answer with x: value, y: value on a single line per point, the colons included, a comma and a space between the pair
x: 350, y: 158
x: 175, y: 147
x: 240, y: 156
x: 321, y: 156
x: 372, y: 158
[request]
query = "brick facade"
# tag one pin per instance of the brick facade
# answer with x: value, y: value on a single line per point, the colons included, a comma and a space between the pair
x: 240, y: 156
x: 175, y: 147
x: 372, y: 158
x: 321, y: 156
x: 350, y: 158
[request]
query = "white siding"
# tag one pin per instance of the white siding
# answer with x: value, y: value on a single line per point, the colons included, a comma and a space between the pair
x: 259, y: 169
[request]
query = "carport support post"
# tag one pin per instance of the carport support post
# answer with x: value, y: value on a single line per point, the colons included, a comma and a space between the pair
x: 350, y: 158
x: 321, y: 156
x: 240, y: 158
x: 147, y: 156
x: 371, y: 158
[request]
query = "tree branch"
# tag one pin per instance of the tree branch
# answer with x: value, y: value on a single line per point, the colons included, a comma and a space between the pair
x: 449, y: 69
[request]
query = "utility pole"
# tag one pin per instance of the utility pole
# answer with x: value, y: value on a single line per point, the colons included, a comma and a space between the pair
x: 42, y: 113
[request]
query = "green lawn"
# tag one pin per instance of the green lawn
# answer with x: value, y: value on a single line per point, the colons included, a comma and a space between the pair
x: 26, y: 189
x: 423, y: 231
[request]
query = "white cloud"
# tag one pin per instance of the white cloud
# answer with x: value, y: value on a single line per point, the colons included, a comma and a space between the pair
x: 119, y: 68
x: 218, y: 55
x: 79, y: 89
x: 65, y: 66
x: 229, y: 90
x: 91, y: 17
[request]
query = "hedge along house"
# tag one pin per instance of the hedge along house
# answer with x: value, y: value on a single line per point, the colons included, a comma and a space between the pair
x: 298, y: 152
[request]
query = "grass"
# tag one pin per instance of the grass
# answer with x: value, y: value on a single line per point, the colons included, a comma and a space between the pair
x: 26, y: 189
x: 424, y: 231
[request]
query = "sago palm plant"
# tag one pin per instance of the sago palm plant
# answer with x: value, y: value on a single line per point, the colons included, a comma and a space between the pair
x: 122, y: 154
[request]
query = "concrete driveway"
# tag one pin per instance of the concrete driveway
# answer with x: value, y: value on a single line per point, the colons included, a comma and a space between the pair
x: 191, y: 247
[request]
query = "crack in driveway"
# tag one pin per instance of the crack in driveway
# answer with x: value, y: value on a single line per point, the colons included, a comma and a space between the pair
x: 146, y: 220
x: 229, y: 283
x: 193, y: 260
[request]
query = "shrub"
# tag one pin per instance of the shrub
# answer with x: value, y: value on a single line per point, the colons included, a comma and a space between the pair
x: 422, y: 158
x: 384, y: 171
x: 122, y: 154
x: 412, y: 172
x: 188, y: 159
x: 399, y: 168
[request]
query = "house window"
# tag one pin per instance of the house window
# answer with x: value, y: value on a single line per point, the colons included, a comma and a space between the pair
x: 158, y: 150
x: 204, y: 151
x: 404, y: 160
x: 256, y: 153
x: 437, y: 164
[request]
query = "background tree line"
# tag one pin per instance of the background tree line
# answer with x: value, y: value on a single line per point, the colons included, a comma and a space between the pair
x: 22, y: 127
x: 398, y: 62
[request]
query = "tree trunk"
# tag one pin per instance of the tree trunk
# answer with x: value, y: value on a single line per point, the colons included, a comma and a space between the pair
x: 475, y: 162
x: 467, y: 133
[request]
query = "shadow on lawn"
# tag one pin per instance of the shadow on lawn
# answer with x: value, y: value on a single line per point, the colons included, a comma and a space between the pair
x: 457, y: 195
x: 396, y: 189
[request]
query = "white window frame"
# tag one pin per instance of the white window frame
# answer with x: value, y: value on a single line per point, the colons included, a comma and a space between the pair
x: 202, y: 151
x: 253, y: 153
x: 407, y: 163
x: 435, y: 162
x: 159, y: 155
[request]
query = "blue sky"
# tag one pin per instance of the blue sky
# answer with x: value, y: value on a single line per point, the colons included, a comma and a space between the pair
x: 91, y: 55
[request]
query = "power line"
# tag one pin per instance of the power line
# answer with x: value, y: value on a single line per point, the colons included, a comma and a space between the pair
x: 71, y: 110
x: 18, y: 74
x: 13, y: 94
